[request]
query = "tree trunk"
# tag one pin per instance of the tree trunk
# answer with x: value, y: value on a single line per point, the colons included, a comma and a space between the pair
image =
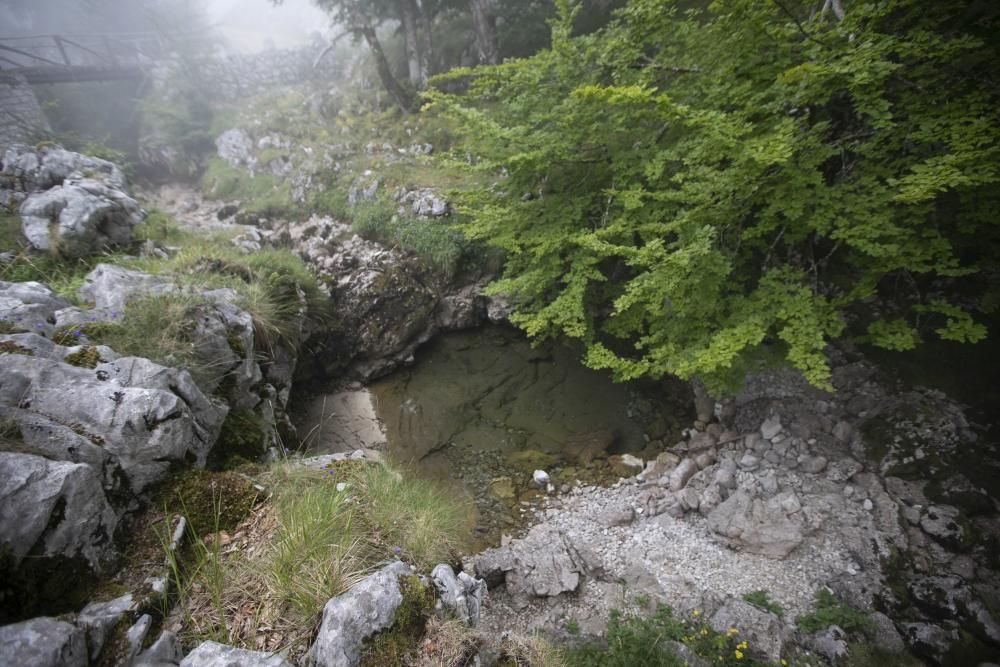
x: 413, y: 54
x: 484, y: 19
x: 399, y: 94
x: 426, y: 48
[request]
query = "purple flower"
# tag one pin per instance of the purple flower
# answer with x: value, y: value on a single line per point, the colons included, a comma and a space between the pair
x: 396, y: 550
x: 39, y: 325
x: 76, y: 333
x: 114, y: 313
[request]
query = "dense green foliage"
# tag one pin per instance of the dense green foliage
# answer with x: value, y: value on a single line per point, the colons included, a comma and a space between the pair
x: 830, y: 611
x: 689, y: 192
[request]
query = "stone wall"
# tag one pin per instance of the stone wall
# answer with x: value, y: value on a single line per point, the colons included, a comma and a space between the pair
x: 21, y: 117
x: 244, y: 75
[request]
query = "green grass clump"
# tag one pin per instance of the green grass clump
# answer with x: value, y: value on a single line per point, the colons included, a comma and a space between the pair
x: 320, y: 542
x: 394, y: 646
x: 830, y: 611
x: 762, y: 600
x: 437, y: 244
x: 636, y: 641
x: 262, y: 194
x: 10, y: 231
x: 415, y: 518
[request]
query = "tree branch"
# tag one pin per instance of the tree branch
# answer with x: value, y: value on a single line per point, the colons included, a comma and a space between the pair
x: 802, y: 28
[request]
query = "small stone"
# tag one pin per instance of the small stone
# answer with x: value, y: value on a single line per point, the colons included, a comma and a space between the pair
x: 684, y: 471
x: 868, y: 505
x: 704, y: 460
x: 749, y: 462
x: 540, y: 477
x: 771, y: 427
x: 812, y: 464
x: 341, y: 486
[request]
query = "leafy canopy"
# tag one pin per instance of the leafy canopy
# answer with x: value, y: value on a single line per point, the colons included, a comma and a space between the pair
x: 689, y: 192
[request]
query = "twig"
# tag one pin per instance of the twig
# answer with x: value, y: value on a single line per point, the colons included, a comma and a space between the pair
x: 802, y: 28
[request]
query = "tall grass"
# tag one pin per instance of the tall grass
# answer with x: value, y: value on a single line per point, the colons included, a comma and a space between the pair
x: 435, y: 243
x: 311, y: 542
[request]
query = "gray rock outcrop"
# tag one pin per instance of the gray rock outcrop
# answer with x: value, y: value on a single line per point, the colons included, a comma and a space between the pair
x: 213, y: 654
x: 460, y: 595
x: 79, y: 218
x: 765, y: 633
x: 539, y: 565
x: 54, y: 508
x: 370, y: 606
x: 34, y: 169
x: 43, y: 642
x: 772, y: 527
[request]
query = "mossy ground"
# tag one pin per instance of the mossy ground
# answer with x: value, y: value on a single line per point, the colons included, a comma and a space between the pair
x: 394, y: 646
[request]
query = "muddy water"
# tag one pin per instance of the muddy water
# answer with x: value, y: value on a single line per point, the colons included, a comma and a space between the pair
x: 481, y: 410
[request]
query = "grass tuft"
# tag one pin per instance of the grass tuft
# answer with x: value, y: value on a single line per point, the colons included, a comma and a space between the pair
x: 828, y: 611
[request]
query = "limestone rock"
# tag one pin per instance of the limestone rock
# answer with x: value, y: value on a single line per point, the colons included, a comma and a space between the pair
x: 680, y: 476
x: 461, y: 595
x: 830, y: 643
x: 164, y: 652
x: 771, y: 427
x: 348, y: 619
x: 43, y: 642
x: 212, y: 654
x: 50, y: 166
x: 540, y: 564
x: 765, y: 633
x: 146, y: 416
x: 942, y: 523
x: 886, y: 635
x: 772, y: 528
x: 29, y: 306
x: 54, y: 508
x: 111, y: 287
x: 929, y: 640
x: 79, y: 218
x: 237, y: 148
x: 100, y: 618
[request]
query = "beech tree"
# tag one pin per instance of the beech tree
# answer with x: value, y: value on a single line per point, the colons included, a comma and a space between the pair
x: 697, y: 191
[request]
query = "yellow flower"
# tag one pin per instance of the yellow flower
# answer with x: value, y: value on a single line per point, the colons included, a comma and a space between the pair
x: 738, y: 654
x: 732, y: 632
x: 784, y: 662
x: 704, y: 632
x: 742, y: 645
x: 696, y: 613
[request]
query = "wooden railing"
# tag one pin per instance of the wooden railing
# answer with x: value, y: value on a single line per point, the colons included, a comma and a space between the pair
x: 58, y: 58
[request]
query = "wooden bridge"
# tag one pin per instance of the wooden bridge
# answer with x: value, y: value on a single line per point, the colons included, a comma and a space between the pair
x: 67, y: 58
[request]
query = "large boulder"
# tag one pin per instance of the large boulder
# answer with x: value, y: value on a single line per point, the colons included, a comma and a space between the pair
x: 213, y: 654
x: 43, y: 642
x: 40, y: 169
x: 539, y: 565
x: 54, y: 508
x: 29, y: 306
x: 765, y: 634
x: 772, y: 527
x: 370, y: 606
x: 79, y: 218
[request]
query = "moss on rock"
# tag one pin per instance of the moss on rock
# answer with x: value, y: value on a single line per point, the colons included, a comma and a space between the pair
x: 394, y: 646
x: 85, y: 357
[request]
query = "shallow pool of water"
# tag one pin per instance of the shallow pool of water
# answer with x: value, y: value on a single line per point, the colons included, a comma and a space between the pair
x: 481, y: 410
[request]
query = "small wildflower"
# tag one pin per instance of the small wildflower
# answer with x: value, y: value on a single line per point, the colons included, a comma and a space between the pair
x: 732, y: 632
x: 704, y: 632
x: 784, y: 663
x: 396, y: 550
x: 742, y: 645
x: 696, y: 613
x: 739, y: 654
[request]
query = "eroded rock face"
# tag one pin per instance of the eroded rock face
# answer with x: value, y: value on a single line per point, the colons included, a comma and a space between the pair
x: 146, y: 416
x: 348, y: 619
x: 79, y: 218
x: 54, y: 508
x: 460, y: 595
x: 385, y: 303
